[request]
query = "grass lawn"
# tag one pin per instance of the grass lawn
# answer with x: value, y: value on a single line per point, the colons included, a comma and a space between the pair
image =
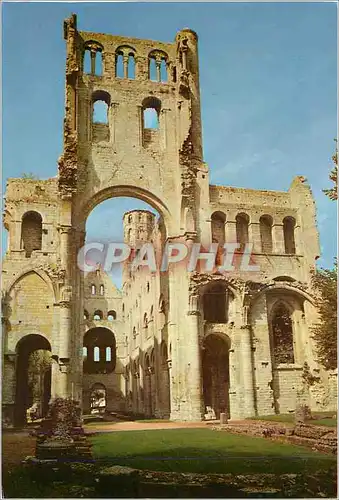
x: 205, y: 451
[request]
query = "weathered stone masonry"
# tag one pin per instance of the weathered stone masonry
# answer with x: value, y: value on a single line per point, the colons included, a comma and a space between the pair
x: 165, y: 345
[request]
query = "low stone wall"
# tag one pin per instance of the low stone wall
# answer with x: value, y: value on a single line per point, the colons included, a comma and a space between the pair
x: 319, y: 438
x: 93, y: 480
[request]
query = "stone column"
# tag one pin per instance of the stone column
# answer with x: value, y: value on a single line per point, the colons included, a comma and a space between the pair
x: 247, y: 372
x: 230, y: 231
x: 235, y: 411
x: 112, y: 121
x: 93, y: 54
x: 158, y: 65
x: 125, y: 59
x: 278, y: 238
x: 254, y: 236
x: 194, y: 362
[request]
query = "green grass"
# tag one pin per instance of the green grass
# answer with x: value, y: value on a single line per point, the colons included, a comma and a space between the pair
x: 205, y: 451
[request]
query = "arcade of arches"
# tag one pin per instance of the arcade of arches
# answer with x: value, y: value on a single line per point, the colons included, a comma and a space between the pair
x: 176, y: 344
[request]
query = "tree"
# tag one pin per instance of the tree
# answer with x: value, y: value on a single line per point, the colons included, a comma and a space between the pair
x: 333, y: 192
x: 324, y: 282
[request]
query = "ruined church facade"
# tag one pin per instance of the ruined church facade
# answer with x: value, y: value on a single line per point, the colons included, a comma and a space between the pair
x: 172, y: 345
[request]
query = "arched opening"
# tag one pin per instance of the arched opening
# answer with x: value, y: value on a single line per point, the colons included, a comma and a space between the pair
x: 218, y: 220
x: 97, y: 340
x: 86, y: 315
x: 101, y: 102
x: 98, y: 63
x: 215, y: 369
x: 265, y: 223
x: 151, y: 107
x: 119, y: 65
x: 242, y: 221
x: 87, y: 62
x: 282, y: 334
x: 31, y: 232
x: 216, y: 299
x: 98, y: 399
x: 163, y: 71
x: 289, y: 238
x: 100, y: 112
x: 131, y: 67
x: 102, y: 290
x: 111, y: 315
x: 33, y: 378
x: 152, y: 69
x: 98, y: 315
x: 149, y: 392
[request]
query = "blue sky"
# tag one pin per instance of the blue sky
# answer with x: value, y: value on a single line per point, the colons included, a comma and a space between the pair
x: 268, y: 90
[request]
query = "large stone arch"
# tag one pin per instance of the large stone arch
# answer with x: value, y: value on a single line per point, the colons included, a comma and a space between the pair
x: 24, y: 399
x: 85, y: 206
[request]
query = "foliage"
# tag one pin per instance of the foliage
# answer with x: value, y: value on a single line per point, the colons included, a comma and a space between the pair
x: 324, y: 283
x: 333, y: 192
x: 29, y: 176
x: 64, y: 414
x: 38, y: 365
x: 282, y: 336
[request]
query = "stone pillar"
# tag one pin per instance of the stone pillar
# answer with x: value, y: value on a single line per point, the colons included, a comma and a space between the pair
x: 230, y: 231
x: 158, y: 64
x: 93, y: 54
x: 112, y: 121
x: 247, y: 372
x: 278, y: 238
x: 194, y: 366
x: 254, y: 236
x: 125, y: 59
x: 235, y: 411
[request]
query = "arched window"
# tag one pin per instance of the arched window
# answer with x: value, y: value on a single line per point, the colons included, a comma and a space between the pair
x: 102, y: 290
x: 147, y: 287
x: 119, y: 65
x: 92, y: 58
x: 157, y: 66
x: 218, y: 227
x: 242, y: 221
x: 31, y: 232
x: 134, y: 332
x: 265, y: 223
x: 145, y: 321
x: 98, y: 63
x: 96, y: 355
x: 289, y: 225
x: 93, y: 290
x: 101, y: 101
x: 86, y: 315
x: 100, y: 112
x: 151, y: 119
x: 151, y: 313
x: 151, y: 107
x: 108, y: 354
x: 98, y: 315
x: 87, y: 62
x: 131, y: 66
x: 282, y: 335
x: 215, y: 303
x: 84, y: 352
x: 111, y: 315
x: 163, y: 71
x: 152, y: 69
x: 97, y: 341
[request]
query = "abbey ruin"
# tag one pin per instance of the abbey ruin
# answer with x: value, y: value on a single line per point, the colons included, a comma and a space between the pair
x: 175, y: 345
